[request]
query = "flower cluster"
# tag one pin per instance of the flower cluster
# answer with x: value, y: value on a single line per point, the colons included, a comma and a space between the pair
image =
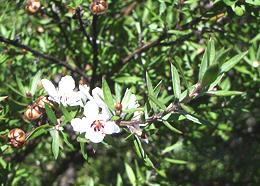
x: 97, y: 121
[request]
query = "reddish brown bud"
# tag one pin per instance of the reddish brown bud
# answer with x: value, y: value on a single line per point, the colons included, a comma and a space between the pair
x: 32, y: 112
x: 32, y: 6
x: 118, y: 107
x: 16, y: 137
x: 98, y: 6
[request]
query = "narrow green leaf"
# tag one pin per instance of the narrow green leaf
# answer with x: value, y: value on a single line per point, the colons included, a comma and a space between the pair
x: 66, y: 114
x: 211, y: 52
x: 138, y: 148
x: 149, y: 85
x: 232, y: 62
x: 157, y: 102
x: 224, y: 93
x: 55, y: 143
x: 173, y: 129
x: 210, y: 75
x: 37, y: 132
x: 83, y: 150
x: 66, y: 140
x: 51, y: 115
x: 130, y: 173
x: 35, y: 82
x: 108, y: 98
x: 175, y: 82
x: 119, y: 181
x: 126, y: 97
x: 174, y: 161
x: 20, y: 85
x: 118, y: 92
x: 190, y: 117
x: 203, y: 65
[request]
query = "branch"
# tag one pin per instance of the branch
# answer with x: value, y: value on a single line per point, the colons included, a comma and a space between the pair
x: 95, y: 51
x: 42, y: 55
x: 170, y: 109
x: 81, y: 24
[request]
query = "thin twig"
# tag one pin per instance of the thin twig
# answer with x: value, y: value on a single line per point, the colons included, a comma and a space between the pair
x: 44, y: 56
x: 82, y: 26
x: 95, y: 51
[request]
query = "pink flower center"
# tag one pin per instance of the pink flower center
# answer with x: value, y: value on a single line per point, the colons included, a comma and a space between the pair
x: 97, y: 125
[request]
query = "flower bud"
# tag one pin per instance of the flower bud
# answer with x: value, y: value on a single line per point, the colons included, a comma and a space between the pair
x: 42, y: 100
x: 32, y: 6
x: 98, y: 6
x: 32, y: 112
x: 16, y: 137
x: 118, y: 107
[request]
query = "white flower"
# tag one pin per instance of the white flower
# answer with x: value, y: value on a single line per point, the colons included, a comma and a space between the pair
x: 65, y: 93
x: 96, y: 124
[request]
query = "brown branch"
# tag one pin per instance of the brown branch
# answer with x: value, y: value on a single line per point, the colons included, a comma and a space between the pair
x: 44, y: 56
x: 95, y: 51
x: 81, y: 24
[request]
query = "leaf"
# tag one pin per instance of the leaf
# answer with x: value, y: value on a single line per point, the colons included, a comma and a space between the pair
x: 20, y: 85
x: 224, y: 93
x: 126, y: 97
x: 157, y: 102
x: 139, y: 149
x: 108, y: 98
x: 174, y: 161
x: 175, y: 82
x: 203, y: 65
x: 211, y: 52
x: 128, y: 79
x: 232, y: 62
x: 83, y: 151
x: 130, y: 173
x: 35, y: 82
x: 190, y: 117
x: 37, y: 132
x: 65, y: 139
x: 51, y: 115
x: 210, y: 75
x: 118, y: 92
x: 149, y: 85
x: 66, y: 114
x: 119, y: 181
x: 55, y: 146
x: 173, y: 129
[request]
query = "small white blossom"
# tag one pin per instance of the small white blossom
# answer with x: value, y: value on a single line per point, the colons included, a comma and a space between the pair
x: 65, y: 93
x: 96, y: 124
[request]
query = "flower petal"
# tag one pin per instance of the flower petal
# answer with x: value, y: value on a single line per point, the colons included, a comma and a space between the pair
x: 66, y: 84
x: 95, y: 136
x: 79, y: 125
x: 49, y: 88
x: 91, y: 111
x: 97, y: 94
x: 84, y: 89
x: 110, y: 127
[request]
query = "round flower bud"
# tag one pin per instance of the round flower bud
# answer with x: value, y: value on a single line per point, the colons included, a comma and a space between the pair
x: 16, y: 137
x: 98, y: 6
x: 42, y: 100
x: 32, y: 6
x: 118, y: 107
x: 32, y: 112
